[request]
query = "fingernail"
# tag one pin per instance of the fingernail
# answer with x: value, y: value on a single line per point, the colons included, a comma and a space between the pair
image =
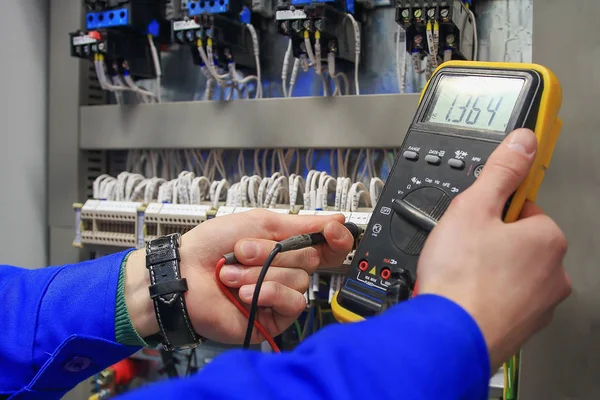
x: 338, y: 231
x: 523, y: 141
x: 246, y: 292
x: 249, y: 250
x: 231, y: 273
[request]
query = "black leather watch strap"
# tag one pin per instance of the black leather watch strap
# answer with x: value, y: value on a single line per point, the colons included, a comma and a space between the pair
x: 166, y: 290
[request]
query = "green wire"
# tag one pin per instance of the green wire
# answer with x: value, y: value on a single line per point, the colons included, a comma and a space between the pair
x: 510, y: 394
x: 320, y: 317
x: 298, y: 329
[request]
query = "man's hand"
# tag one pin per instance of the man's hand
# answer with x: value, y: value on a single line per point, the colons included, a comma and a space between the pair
x: 509, y: 277
x: 252, y: 235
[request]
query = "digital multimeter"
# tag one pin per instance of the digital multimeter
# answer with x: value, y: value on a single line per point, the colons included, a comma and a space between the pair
x: 466, y: 110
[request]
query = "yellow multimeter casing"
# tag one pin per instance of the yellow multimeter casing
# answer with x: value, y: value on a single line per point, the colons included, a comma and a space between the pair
x: 465, y: 110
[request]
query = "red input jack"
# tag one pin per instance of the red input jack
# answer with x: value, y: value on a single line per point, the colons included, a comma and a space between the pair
x: 385, y: 274
x: 363, y: 265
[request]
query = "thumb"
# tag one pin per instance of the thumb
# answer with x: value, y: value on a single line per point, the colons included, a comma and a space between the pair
x: 505, y: 170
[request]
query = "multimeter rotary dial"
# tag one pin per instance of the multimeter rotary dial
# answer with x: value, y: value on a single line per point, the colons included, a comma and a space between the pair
x: 408, y: 237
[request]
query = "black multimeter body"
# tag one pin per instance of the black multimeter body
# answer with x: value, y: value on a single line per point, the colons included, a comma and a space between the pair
x: 437, y: 161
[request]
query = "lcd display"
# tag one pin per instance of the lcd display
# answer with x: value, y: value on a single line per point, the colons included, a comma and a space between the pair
x: 478, y: 102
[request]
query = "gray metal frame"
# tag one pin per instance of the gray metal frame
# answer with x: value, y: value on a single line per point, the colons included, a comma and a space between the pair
x: 560, y: 363
x: 374, y: 121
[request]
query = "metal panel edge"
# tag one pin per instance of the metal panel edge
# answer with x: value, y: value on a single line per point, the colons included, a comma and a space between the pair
x: 562, y: 361
x: 63, y: 101
x: 317, y: 122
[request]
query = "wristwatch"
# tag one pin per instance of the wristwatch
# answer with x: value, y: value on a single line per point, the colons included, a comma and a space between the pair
x: 167, y: 289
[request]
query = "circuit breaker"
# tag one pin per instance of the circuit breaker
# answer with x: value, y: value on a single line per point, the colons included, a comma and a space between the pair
x: 456, y: 29
x: 223, y: 22
x: 295, y: 17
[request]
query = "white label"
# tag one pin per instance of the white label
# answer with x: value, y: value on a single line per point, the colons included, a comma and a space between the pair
x: 192, y: 210
x: 279, y: 210
x: 77, y: 227
x: 225, y: 211
x: 283, y: 15
x: 315, y: 286
x: 242, y: 209
x: 307, y: 204
x: 90, y: 205
x: 346, y: 214
x: 119, y: 206
x: 140, y: 230
x: 307, y: 212
x: 153, y: 208
x: 81, y: 40
x: 185, y: 25
x: 360, y: 218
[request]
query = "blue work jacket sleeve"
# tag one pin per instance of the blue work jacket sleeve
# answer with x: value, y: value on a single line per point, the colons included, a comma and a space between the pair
x: 58, y: 326
x: 427, y: 348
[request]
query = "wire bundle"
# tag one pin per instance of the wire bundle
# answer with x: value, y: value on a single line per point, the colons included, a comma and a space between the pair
x: 231, y: 79
x: 125, y: 83
x: 312, y: 57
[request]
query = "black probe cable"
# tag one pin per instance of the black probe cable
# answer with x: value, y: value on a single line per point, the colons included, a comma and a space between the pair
x: 293, y: 243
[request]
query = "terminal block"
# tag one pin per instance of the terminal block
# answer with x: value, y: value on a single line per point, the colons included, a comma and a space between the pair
x: 110, y: 223
x: 142, y: 16
x: 327, y: 18
x: 164, y: 219
x: 456, y: 28
x: 122, y: 50
x: 223, y: 23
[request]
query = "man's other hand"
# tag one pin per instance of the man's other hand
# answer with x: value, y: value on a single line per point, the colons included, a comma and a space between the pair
x: 508, y: 276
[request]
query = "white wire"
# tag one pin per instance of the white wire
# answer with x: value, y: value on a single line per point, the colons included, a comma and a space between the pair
x: 223, y: 184
x: 284, y: 68
x: 345, y: 187
x: 211, y: 69
x: 256, y: 49
x: 295, y: 69
x: 104, y: 84
x: 475, y: 36
x: 356, y: 50
x: 129, y: 81
x: 447, y: 55
x: 400, y: 65
x: 261, y: 190
x: 157, y: 68
x: 253, y: 185
x: 374, y: 185
x: 116, y: 81
x: 346, y: 82
x: 279, y: 182
x: 309, y: 50
x: 317, y: 63
x: 96, y: 185
x: 432, y: 60
x: 132, y: 183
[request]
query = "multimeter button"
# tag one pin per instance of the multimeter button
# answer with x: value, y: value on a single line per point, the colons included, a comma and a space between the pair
x: 433, y: 160
x: 411, y: 155
x: 456, y: 164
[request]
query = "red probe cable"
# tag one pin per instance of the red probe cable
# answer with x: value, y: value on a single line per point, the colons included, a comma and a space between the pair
x: 240, y: 307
